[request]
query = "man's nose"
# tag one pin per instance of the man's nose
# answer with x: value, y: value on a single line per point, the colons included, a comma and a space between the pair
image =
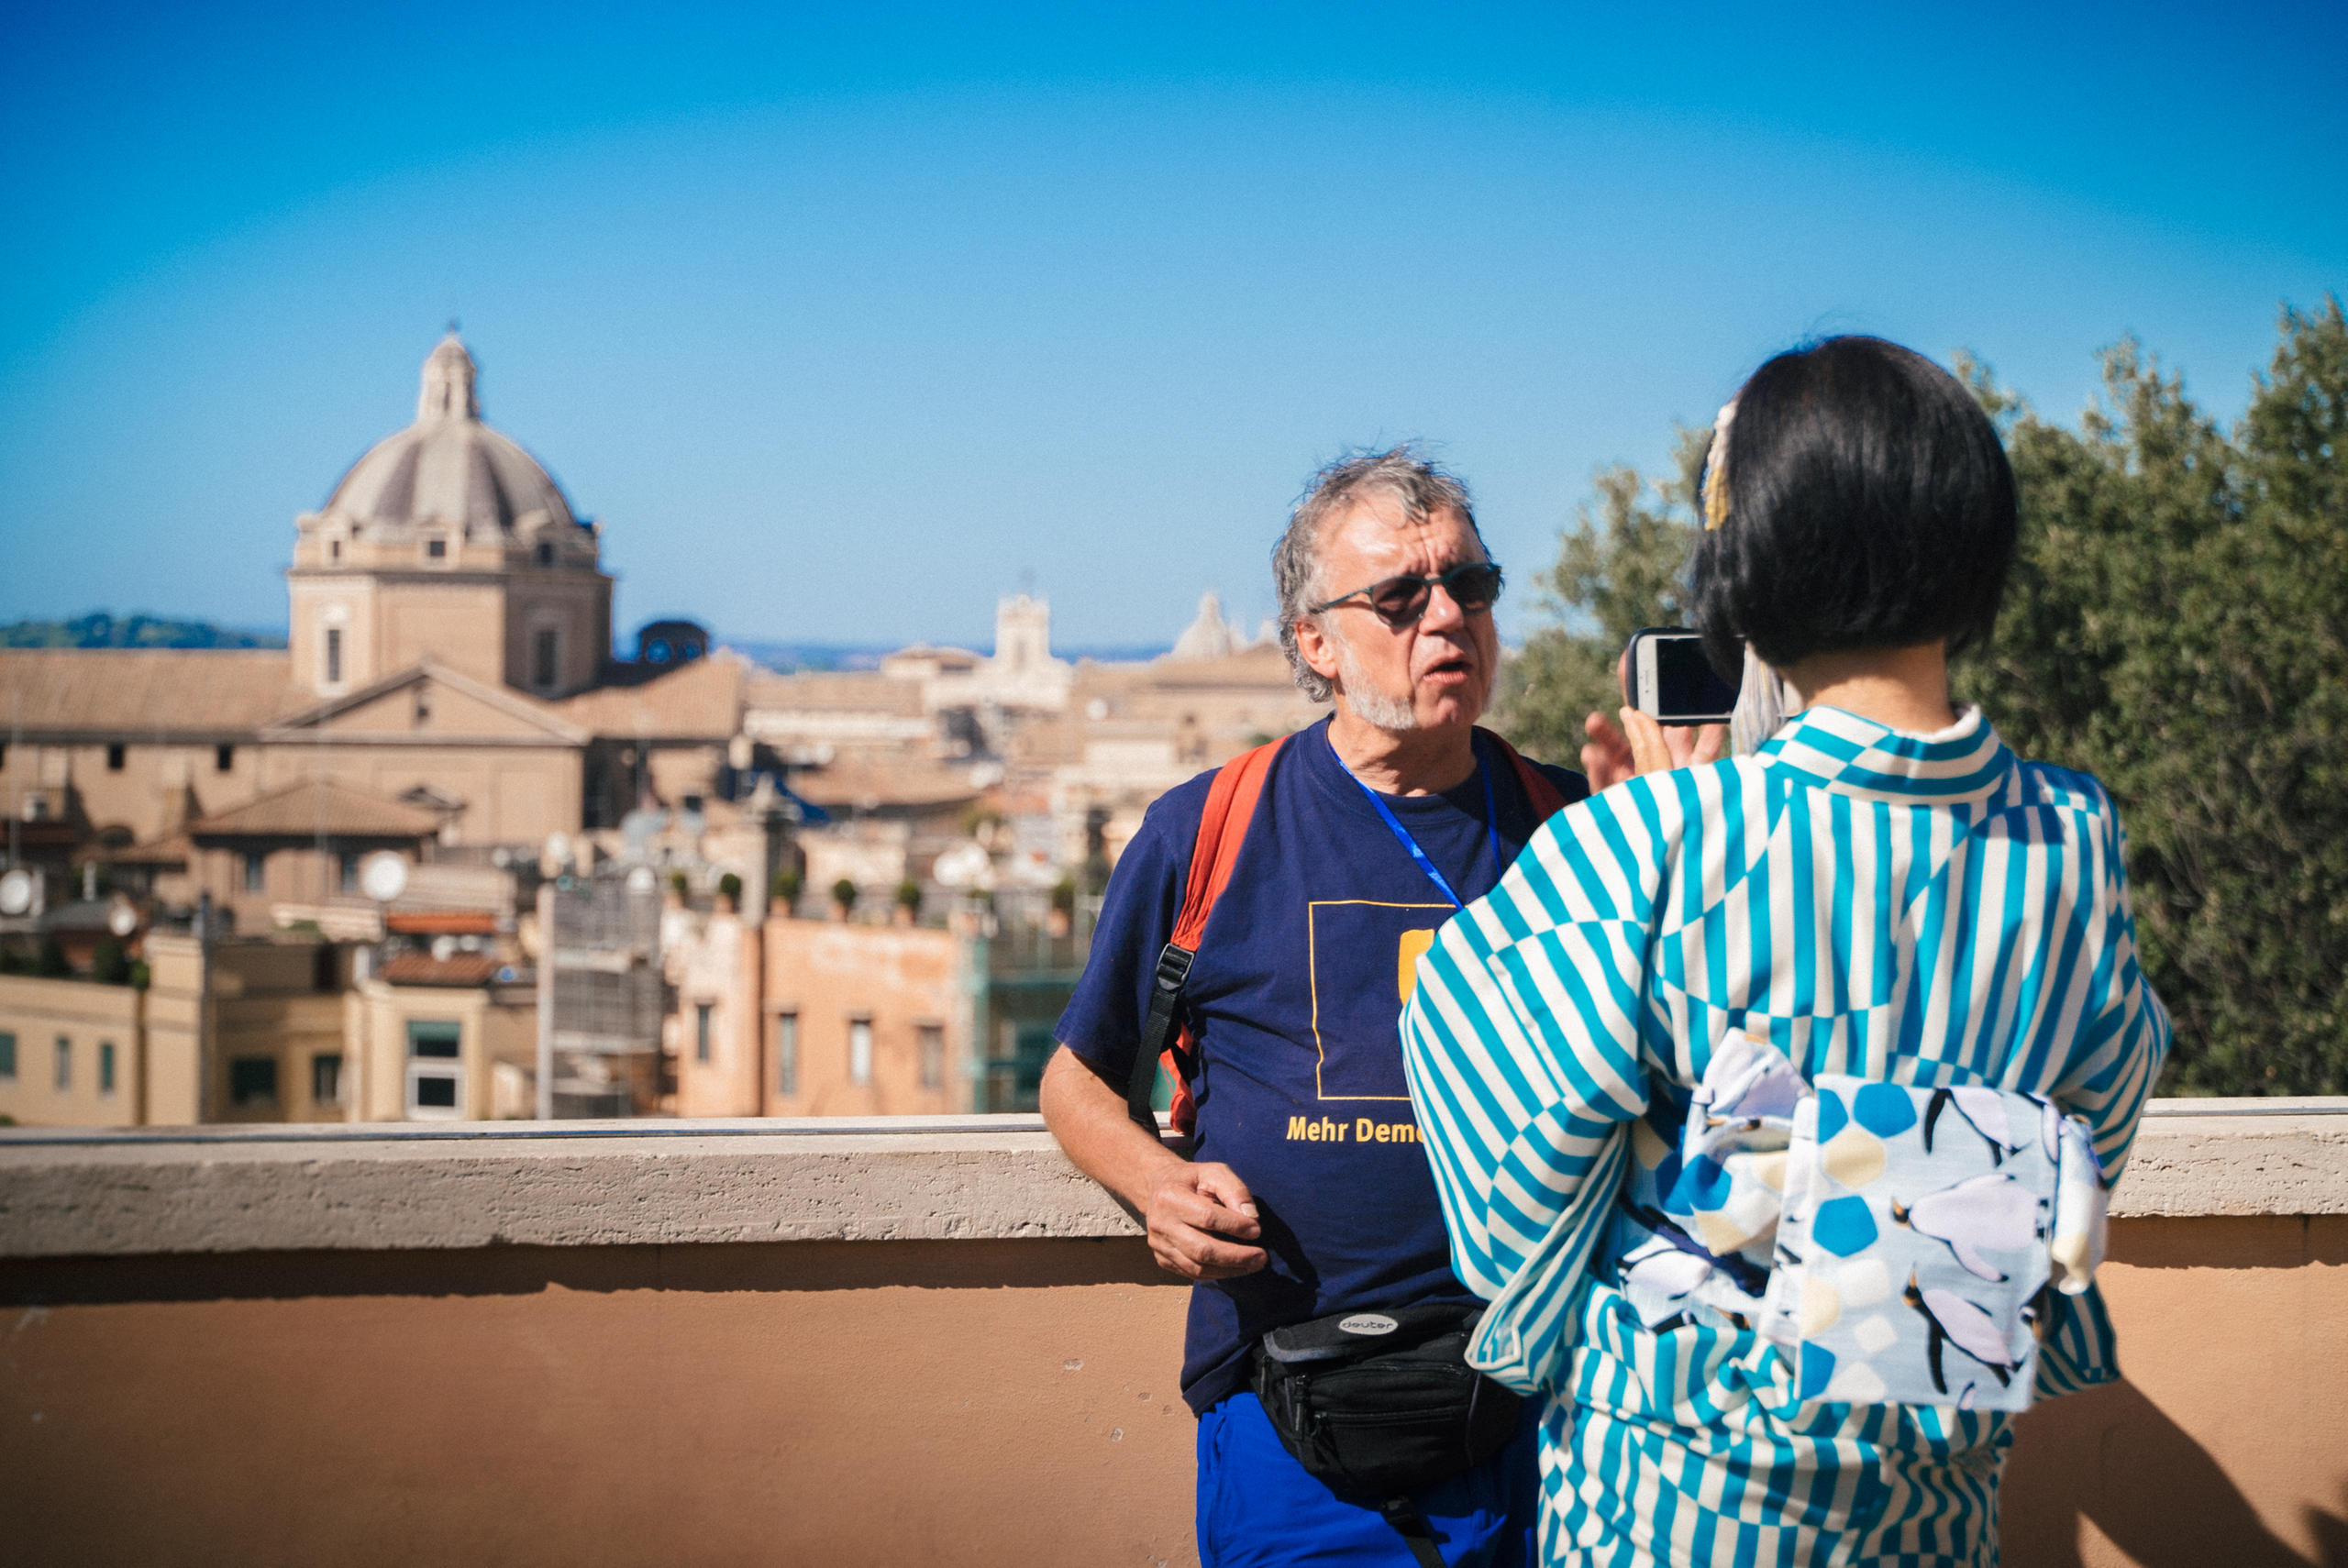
x: 1442, y: 612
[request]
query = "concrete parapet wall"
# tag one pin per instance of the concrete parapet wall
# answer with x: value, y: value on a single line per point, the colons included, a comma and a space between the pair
x: 394, y: 1187
x: 925, y: 1342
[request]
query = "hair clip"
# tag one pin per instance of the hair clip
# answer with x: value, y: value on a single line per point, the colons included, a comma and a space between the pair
x: 1715, y: 496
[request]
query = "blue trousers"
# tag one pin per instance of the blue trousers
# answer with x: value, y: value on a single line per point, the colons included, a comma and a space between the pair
x: 1258, y: 1506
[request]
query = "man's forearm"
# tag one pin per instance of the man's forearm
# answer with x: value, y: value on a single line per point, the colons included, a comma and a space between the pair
x: 1089, y: 1118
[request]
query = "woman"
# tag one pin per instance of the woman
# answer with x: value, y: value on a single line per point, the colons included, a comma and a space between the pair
x: 1881, y: 894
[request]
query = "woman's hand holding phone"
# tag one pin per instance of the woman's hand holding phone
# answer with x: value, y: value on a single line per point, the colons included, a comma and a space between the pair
x: 1640, y: 744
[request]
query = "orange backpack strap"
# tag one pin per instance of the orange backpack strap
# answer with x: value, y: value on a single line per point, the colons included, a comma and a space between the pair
x: 1547, y: 800
x: 1223, y: 828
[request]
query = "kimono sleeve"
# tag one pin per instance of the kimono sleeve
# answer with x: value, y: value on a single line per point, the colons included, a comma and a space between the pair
x: 1521, y: 1046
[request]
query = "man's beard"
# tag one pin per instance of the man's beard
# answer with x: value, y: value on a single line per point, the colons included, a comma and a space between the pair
x: 1393, y: 714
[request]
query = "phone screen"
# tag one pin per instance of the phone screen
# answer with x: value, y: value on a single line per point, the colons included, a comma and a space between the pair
x: 1686, y: 685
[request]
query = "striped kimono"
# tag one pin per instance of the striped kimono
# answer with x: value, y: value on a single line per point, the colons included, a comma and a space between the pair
x: 1922, y: 910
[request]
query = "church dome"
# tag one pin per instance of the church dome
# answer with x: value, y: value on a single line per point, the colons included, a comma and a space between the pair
x: 449, y: 468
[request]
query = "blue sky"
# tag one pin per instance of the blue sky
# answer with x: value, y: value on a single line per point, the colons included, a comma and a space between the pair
x: 845, y: 321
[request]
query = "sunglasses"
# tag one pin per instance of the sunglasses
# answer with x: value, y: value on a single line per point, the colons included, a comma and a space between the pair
x: 1402, y: 600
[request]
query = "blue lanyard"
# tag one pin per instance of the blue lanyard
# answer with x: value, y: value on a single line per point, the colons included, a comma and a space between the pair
x: 1403, y: 835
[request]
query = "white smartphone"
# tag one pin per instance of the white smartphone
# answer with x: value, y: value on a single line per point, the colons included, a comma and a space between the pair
x: 1670, y: 677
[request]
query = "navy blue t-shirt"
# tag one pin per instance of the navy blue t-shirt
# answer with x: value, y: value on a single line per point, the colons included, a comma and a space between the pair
x: 1296, y: 996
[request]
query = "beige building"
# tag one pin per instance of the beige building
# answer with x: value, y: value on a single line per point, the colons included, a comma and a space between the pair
x: 450, y: 666
x: 819, y: 1018
x: 282, y: 1028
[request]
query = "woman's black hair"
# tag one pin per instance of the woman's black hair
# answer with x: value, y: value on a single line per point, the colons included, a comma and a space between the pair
x: 1870, y: 505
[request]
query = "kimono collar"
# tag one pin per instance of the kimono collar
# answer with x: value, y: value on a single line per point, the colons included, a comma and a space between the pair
x: 1840, y: 751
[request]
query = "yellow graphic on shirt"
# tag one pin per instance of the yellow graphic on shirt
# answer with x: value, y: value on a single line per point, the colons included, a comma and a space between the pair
x: 1354, y: 1025
x: 1406, y: 963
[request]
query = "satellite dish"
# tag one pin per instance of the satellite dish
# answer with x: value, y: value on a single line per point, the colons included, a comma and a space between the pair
x: 122, y: 919
x: 556, y: 853
x: 642, y: 881
x: 15, y: 892
x: 382, y: 877
x: 964, y: 866
x: 444, y: 948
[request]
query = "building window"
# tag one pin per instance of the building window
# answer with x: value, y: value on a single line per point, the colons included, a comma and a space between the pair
x: 255, y: 870
x: 347, y: 871
x: 224, y: 758
x: 334, y: 655
x: 65, y: 1062
x: 105, y: 1066
x: 325, y: 1079
x: 932, y: 1039
x: 435, y: 1040
x: 433, y: 1071
x: 423, y: 706
x: 701, y: 1031
x: 334, y: 549
x: 546, y: 554
x: 542, y: 659
x: 786, y: 1053
x: 117, y: 755
x: 860, y: 1051
x: 7, y: 1056
x: 252, y: 1080
x: 437, y: 549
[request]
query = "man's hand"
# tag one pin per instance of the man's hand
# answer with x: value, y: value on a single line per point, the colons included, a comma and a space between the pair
x: 1188, y: 1210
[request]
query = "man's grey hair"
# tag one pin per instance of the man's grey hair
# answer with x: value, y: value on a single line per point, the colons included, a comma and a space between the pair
x: 1399, y: 473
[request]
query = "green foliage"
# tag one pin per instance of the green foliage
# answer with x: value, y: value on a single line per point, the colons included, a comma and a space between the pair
x: 2178, y: 625
x: 1622, y: 567
x: 1064, y: 895
x: 844, y: 893
x: 109, y: 964
x: 729, y: 887
x: 909, y: 896
x: 784, y: 889
x: 52, y: 964
x: 99, y: 630
x: 679, y: 884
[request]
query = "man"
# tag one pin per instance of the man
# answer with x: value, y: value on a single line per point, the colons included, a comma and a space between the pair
x: 1308, y: 1193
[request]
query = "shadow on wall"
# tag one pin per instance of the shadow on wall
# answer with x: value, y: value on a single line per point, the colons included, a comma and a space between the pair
x: 2153, y: 1491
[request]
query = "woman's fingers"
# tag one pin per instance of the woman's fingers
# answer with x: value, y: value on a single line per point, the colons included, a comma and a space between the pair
x: 1650, y: 753
x: 1606, y: 760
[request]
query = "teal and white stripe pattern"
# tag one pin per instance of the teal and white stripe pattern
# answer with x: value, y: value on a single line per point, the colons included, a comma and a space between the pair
x: 1920, y: 910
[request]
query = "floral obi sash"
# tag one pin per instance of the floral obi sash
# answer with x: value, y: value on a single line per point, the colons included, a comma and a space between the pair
x: 1894, y: 1242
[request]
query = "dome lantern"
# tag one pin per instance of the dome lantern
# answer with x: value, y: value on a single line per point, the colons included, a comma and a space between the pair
x: 449, y: 376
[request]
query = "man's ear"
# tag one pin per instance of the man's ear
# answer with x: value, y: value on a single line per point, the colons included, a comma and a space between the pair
x: 1318, y: 647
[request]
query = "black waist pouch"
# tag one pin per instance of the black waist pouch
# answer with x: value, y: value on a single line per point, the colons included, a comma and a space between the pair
x: 1378, y: 1403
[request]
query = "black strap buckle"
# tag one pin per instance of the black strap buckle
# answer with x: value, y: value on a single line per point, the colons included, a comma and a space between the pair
x: 1157, y: 1032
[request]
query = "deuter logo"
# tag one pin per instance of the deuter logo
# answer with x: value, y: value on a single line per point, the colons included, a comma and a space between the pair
x: 1367, y: 1323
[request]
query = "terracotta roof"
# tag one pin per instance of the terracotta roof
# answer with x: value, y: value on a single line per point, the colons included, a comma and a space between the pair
x: 699, y: 700
x: 441, y: 923
x: 172, y: 850
x: 838, y: 691
x: 147, y: 693
x: 423, y: 969
x: 853, y: 782
x: 315, y: 806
